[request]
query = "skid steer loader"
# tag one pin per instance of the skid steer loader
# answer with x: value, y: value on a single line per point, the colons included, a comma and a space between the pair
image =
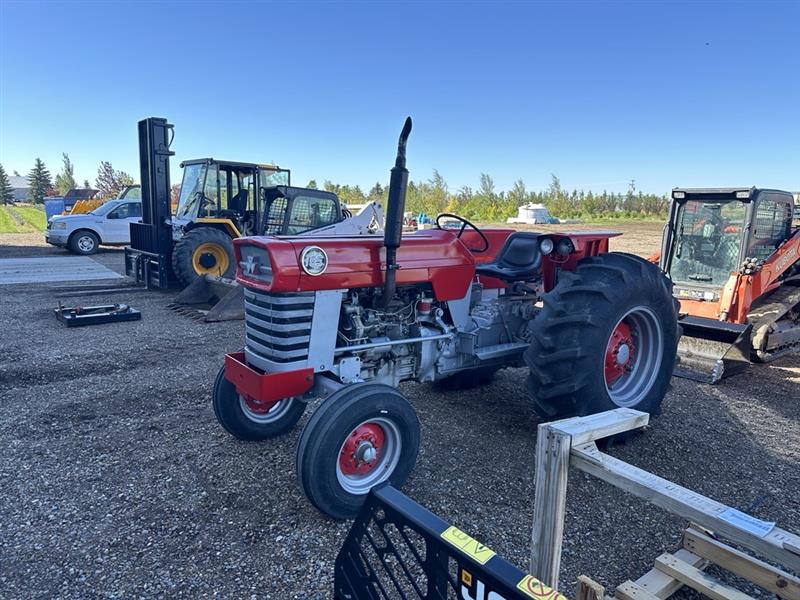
x: 347, y: 319
x: 734, y: 258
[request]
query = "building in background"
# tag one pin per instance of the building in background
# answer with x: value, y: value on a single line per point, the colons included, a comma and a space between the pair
x: 21, y: 187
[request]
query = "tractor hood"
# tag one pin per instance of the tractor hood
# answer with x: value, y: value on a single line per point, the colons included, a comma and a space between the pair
x: 273, y: 264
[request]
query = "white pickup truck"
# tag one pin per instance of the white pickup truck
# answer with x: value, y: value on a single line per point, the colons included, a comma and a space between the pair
x: 109, y: 224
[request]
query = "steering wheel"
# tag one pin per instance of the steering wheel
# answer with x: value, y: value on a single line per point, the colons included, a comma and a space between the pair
x: 464, y: 225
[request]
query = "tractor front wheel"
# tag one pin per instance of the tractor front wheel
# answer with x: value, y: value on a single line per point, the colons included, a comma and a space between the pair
x: 360, y: 436
x: 605, y: 338
x: 249, y: 419
x: 203, y: 251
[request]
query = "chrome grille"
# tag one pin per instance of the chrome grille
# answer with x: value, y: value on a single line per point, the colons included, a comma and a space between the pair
x: 278, y: 326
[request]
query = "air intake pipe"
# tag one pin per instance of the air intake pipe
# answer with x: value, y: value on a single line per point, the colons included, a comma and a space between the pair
x: 395, y: 207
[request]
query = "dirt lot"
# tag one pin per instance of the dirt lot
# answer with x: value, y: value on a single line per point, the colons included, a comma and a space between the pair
x: 116, y: 481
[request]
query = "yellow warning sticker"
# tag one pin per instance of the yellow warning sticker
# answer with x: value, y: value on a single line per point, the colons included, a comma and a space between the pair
x: 534, y: 588
x: 468, y: 545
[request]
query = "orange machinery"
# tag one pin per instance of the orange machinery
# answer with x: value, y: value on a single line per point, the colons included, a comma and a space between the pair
x: 734, y: 258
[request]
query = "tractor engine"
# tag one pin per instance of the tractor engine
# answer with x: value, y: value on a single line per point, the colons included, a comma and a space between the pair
x: 416, y: 336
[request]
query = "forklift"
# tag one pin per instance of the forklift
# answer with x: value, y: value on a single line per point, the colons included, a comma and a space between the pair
x: 218, y: 202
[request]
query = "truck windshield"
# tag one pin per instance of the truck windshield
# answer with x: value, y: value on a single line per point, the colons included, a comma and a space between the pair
x: 191, y: 197
x: 103, y: 209
x: 707, y: 240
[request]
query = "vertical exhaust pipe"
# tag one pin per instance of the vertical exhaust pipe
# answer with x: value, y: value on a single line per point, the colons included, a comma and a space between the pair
x: 395, y: 207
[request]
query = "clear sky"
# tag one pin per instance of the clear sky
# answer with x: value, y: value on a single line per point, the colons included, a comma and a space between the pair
x: 690, y: 94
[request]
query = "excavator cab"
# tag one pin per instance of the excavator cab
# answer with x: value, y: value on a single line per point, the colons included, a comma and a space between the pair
x: 715, y: 238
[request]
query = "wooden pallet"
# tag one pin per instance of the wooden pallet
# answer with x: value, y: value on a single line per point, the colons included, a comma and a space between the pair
x: 571, y: 442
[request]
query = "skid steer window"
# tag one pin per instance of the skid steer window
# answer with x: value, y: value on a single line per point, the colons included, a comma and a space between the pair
x: 772, y: 223
x: 309, y: 213
x: 274, y: 216
x: 707, y: 241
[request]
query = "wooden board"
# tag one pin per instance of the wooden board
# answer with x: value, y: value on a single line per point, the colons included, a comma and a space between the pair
x: 685, y: 503
x: 601, y: 425
x: 632, y: 591
x: 698, y: 580
x: 661, y: 585
x: 549, y: 504
x: 762, y: 574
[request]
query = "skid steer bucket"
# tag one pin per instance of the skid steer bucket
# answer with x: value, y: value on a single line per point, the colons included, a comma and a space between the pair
x: 211, y: 298
x: 396, y: 549
x: 711, y: 350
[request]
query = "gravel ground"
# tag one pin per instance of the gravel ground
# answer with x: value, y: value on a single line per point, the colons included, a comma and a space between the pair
x: 116, y: 481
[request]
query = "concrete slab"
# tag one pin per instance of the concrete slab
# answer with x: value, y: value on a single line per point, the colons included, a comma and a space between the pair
x: 50, y: 269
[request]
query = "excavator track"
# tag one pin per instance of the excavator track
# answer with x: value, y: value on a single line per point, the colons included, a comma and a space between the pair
x: 776, y: 324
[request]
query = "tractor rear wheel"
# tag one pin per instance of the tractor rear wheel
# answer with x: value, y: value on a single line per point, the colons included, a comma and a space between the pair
x: 605, y: 338
x: 203, y: 251
x: 247, y: 419
x: 360, y: 436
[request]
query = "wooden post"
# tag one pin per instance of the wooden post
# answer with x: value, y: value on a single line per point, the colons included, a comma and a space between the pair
x: 552, y: 465
x: 589, y: 589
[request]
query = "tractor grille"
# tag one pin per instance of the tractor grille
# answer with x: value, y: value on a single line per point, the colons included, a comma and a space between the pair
x: 278, y: 326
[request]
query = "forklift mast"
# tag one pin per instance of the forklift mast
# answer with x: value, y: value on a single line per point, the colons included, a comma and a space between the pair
x: 149, y: 255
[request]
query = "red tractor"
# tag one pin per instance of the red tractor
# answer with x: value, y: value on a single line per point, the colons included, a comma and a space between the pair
x: 346, y: 319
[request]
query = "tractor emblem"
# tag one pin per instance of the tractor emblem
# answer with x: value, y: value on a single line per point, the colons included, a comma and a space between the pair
x: 250, y: 265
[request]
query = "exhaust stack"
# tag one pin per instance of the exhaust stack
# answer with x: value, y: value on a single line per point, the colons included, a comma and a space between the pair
x: 395, y: 207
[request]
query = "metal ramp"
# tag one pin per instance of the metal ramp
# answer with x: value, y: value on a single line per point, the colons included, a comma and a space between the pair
x: 16, y: 271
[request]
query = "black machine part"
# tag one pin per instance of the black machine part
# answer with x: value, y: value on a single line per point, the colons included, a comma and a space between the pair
x: 395, y: 206
x: 78, y: 316
x: 398, y: 549
x: 148, y: 257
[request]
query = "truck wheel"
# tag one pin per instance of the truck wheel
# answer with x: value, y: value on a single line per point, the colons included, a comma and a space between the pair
x: 243, y: 418
x: 203, y: 251
x: 84, y: 242
x: 360, y: 436
x: 606, y: 338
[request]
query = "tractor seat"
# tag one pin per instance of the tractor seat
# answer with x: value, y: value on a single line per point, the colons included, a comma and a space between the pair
x: 238, y: 203
x: 518, y: 260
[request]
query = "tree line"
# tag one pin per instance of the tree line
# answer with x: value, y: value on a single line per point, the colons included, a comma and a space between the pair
x: 108, y: 184
x: 487, y: 204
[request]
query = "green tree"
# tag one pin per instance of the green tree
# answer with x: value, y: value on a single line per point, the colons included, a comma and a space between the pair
x: 65, y: 180
x: 86, y: 184
x: 376, y: 193
x: 110, y: 182
x: 312, y: 185
x: 39, y: 181
x: 6, y: 191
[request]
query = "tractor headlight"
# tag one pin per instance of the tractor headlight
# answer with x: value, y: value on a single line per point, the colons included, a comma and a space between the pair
x: 313, y: 260
x: 59, y: 225
x: 546, y: 245
x: 565, y: 247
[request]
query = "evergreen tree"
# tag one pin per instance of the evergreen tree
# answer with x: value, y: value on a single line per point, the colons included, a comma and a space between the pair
x: 65, y: 180
x: 86, y: 184
x: 312, y: 185
x: 6, y: 191
x: 39, y: 181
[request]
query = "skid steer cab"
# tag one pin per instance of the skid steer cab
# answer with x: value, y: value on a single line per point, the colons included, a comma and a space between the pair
x: 734, y: 258
x: 347, y: 319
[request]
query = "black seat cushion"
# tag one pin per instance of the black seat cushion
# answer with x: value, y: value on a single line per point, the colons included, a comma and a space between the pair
x: 238, y: 203
x: 518, y: 260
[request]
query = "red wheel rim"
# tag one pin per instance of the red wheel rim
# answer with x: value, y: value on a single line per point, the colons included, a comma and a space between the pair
x: 259, y: 407
x: 619, y: 353
x: 362, y: 449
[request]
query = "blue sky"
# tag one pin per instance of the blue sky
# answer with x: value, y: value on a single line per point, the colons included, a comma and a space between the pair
x: 690, y: 94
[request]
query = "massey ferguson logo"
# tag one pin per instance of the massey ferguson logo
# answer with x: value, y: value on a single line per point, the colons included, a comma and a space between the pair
x: 250, y: 266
